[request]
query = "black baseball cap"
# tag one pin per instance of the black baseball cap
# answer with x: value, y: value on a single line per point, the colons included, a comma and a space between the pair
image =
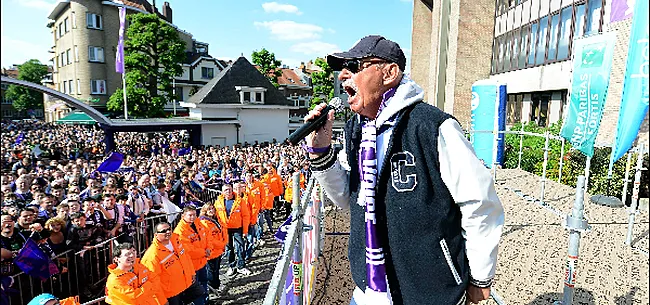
x: 370, y: 46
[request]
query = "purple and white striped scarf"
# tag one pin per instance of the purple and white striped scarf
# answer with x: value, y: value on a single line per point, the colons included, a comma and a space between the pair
x: 376, y: 292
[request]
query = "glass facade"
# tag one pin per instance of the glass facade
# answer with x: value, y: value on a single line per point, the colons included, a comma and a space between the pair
x: 543, y: 40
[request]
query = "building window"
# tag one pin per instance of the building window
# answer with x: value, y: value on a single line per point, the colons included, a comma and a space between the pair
x: 552, y: 37
x: 593, y: 16
x: 62, y: 59
x: 579, y: 28
x: 61, y: 29
x: 565, y: 34
x: 79, y: 86
x: 525, y: 33
x: 68, y: 57
x: 532, y: 44
x: 207, y: 73
x: 64, y: 87
x: 76, y: 53
x: 514, y: 106
x: 179, y: 93
x: 58, y: 63
x: 66, y: 23
x: 541, y: 41
x: 97, y: 86
x: 94, y: 21
x: 258, y: 97
x: 70, y: 87
x: 539, y: 109
x: 96, y: 54
x: 247, y: 96
x: 74, y: 20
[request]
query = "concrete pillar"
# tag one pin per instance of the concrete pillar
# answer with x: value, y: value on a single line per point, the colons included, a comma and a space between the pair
x: 526, y: 108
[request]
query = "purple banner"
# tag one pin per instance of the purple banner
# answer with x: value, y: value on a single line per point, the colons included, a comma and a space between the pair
x: 621, y: 10
x: 119, y: 57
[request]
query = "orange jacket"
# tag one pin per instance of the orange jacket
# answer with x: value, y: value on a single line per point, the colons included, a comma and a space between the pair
x: 239, y: 213
x: 268, y: 198
x: 195, y: 242
x: 256, y: 198
x: 174, y: 269
x: 217, y: 236
x: 275, y: 182
x: 139, y: 286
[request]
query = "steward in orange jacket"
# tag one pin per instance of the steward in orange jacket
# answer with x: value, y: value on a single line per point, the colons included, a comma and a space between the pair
x: 256, y: 196
x: 130, y: 282
x: 173, y: 267
x: 194, y: 238
x: 216, y: 230
x: 239, y: 215
x: 275, y: 181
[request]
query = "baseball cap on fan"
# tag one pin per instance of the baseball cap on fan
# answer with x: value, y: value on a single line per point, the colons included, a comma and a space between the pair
x: 370, y: 46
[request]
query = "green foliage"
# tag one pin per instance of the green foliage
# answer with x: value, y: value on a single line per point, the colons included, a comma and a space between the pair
x: 153, y: 54
x: 574, y: 162
x: 268, y: 65
x: 323, y: 82
x: 23, y: 98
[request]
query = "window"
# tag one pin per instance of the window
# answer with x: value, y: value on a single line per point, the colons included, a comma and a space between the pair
x: 179, y: 93
x: 66, y: 23
x: 541, y: 41
x: 74, y: 20
x: 68, y: 58
x: 513, y: 109
x: 593, y: 16
x: 97, y: 86
x: 207, y: 73
x: 96, y: 54
x: 58, y: 63
x: 62, y: 59
x: 579, y: 29
x: 79, y: 86
x: 506, y: 57
x: 525, y: 31
x: 70, y: 87
x: 247, y: 96
x: 565, y: 34
x: 515, y: 49
x: 539, y: 109
x: 258, y: 97
x: 552, y: 39
x: 94, y: 21
x: 502, y: 51
x: 64, y: 87
x: 76, y: 53
x: 61, y: 29
x: 532, y: 43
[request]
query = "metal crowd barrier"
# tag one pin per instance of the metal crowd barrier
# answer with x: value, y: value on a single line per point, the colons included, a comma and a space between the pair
x: 208, y: 195
x: 78, y: 269
x: 293, y: 249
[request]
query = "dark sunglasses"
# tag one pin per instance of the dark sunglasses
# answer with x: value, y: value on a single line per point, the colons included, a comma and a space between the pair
x: 164, y: 231
x: 356, y: 65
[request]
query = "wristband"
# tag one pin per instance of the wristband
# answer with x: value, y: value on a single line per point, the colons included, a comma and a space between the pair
x: 316, y: 150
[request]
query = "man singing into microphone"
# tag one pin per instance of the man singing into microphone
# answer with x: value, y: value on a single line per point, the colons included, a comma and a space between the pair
x: 420, y: 201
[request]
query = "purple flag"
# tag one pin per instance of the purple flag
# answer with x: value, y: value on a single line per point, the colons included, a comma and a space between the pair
x: 33, y: 261
x: 112, y: 163
x: 621, y: 10
x: 20, y: 138
x: 281, y: 234
x: 119, y: 58
x: 184, y: 151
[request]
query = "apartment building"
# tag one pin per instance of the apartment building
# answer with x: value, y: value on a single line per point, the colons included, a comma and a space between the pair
x: 529, y: 50
x: 85, y: 34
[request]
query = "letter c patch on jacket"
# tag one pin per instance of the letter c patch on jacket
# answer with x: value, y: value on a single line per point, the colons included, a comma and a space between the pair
x: 403, y: 177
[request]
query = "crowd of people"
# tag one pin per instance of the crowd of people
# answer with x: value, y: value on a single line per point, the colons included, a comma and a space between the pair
x: 53, y: 194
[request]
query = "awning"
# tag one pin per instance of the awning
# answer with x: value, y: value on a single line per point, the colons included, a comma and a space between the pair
x: 76, y: 118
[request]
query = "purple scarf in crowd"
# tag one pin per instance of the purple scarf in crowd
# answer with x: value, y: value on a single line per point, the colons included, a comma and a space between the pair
x: 377, y: 283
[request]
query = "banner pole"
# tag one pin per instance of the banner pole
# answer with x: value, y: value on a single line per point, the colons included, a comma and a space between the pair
x: 587, y: 168
x: 521, y: 145
x: 626, y: 181
x: 559, y: 176
x: 635, y: 195
x: 126, y: 112
x: 541, y: 196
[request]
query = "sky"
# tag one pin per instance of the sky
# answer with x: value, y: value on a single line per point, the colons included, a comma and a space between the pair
x: 295, y: 30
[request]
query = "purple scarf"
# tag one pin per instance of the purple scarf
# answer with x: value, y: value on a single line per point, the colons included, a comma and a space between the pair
x: 377, y: 282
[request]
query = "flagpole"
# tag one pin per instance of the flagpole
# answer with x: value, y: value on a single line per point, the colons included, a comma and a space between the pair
x: 126, y: 114
x: 174, y: 100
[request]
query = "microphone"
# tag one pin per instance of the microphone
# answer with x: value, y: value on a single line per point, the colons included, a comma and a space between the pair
x: 315, y: 123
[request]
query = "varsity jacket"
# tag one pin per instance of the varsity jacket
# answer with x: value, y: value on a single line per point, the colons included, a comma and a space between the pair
x: 438, y: 215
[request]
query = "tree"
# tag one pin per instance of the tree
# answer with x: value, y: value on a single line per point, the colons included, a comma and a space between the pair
x: 323, y: 82
x: 268, y: 65
x: 23, y: 98
x: 153, y: 54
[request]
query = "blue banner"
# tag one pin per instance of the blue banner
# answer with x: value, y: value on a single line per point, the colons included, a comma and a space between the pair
x: 592, y: 64
x: 634, y: 102
x: 34, y: 262
x: 488, y: 114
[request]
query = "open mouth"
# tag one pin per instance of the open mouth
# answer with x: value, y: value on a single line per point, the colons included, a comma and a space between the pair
x: 350, y: 88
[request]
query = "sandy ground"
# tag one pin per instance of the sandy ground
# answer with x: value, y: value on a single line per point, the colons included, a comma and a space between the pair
x: 532, y: 252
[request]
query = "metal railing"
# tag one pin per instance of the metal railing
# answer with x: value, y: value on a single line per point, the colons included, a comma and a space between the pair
x: 292, y: 251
